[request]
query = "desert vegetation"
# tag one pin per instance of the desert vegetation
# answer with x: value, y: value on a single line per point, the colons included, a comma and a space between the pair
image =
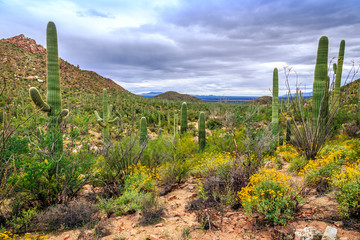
x: 71, y: 163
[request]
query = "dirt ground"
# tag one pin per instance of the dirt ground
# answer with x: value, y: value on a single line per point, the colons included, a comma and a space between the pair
x: 178, y: 223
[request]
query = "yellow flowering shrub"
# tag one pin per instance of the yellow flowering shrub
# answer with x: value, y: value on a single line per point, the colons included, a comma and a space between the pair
x: 141, y: 178
x: 271, y: 193
x: 347, y: 192
x: 213, y: 162
x: 286, y: 152
x: 26, y: 236
x: 328, y: 161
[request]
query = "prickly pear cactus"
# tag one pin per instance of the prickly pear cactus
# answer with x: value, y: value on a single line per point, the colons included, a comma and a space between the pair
x: 53, y: 101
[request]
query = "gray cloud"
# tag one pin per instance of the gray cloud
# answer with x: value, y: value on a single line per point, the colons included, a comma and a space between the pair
x: 214, y: 46
x: 93, y: 13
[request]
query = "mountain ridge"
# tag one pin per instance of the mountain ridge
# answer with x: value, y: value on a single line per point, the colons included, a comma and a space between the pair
x: 23, y: 61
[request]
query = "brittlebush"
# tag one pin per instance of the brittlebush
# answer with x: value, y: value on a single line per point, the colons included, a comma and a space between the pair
x: 271, y: 193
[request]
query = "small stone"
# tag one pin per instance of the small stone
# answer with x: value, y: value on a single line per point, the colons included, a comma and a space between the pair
x: 330, y: 233
x: 339, y: 223
x: 172, y: 198
x: 308, y: 233
x: 159, y: 225
x: 153, y: 237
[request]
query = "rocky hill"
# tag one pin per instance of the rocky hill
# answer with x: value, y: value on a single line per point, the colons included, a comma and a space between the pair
x: 23, y: 62
x: 171, y: 95
x: 261, y: 100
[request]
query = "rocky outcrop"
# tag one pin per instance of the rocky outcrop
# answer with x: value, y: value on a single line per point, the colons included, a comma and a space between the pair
x: 26, y: 44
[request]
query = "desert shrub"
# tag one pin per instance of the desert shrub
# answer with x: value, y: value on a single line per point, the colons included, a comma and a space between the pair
x: 75, y: 214
x: 158, y: 151
x: 24, y: 221
x: 221, y: 141
x: 174, y: 172
x: 297, y: 164
x: 329, y: 160
x: 270, y: 193
x: 347, y: 190
x: 213, y: 123
x: 151, y: 210
x: 129, y: 202
x: 138, y: 184
x: 186, y: 147
x: 287, y: 152
x: 222, y: 177
x: 48, y: 180
x: 26, y: 236
x: 114, y: 165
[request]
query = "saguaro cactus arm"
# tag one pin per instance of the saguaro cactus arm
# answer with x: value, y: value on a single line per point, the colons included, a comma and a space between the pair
x: 99, y: 119
x: 64, y: 113
x: 37, y: 99
x: 114, y: 120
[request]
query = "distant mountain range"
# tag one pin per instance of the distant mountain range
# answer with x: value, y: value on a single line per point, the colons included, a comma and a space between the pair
x: 206, y: 98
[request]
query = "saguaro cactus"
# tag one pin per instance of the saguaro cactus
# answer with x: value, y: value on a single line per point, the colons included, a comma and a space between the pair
x: 175, y: 124
x: 183, y: 124
x: 202, y: 132
x: 159, y: 135
x: 143, y: 131
x: 275, y: 103
x: 320, y: 86
x: 338, y: 72
x: 105, y: 120
x: 288, y: 131
x: 53, y: 101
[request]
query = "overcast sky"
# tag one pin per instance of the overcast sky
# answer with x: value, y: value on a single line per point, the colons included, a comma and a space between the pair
x: 220, y: 47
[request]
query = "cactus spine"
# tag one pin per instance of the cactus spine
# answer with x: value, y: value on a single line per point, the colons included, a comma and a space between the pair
x: 105, y: 120
x: 275, y: 103
x: 53, y: 100
x: 319, y: 105
x: 338, y: 72
x: 183, y: 124
x: 143, y: 131
x: 202, y: 132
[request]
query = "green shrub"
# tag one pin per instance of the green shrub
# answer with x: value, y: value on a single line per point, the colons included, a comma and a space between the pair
x: 297, y: 164
x: 347, y: 192
x: 270, y: 193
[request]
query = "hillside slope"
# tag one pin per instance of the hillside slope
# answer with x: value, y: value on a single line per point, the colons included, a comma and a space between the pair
x: 23, y: 62
x: 171, y: 95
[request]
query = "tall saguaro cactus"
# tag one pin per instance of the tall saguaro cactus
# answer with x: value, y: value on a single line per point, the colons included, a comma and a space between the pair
x: 320, y: 82
x: 53, y: 100
x: 202, y: 132
x: 183, y: 123
x: 143, y: 131
x: 338, y: 72
x: 105, y: 120
x: 275, y: 103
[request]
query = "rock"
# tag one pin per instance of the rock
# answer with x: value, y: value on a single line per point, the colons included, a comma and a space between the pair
x: 330, y: 233
x: 308, y: 233
x: 26, y: 44
x: 283, y: 232
x: 159, y: 225
x: 339, y: 224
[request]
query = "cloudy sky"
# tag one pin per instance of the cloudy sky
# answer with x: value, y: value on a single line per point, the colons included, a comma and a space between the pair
x: 220, y: 47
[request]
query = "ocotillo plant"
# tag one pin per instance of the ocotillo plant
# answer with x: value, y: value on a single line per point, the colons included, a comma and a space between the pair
x: 338, y: 72
x: 275, y: 103
x: 105, y: 120
x: 183, y: 124
x: 143, y: 131
x: 53, y: 100
x: 319, y: 104
x: 202, y: 136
